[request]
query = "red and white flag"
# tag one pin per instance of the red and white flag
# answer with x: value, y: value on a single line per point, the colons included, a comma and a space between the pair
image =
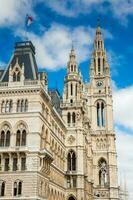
x: 29, y: 20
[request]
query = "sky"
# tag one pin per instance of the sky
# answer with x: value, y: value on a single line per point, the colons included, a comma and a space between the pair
x: 57, y: 24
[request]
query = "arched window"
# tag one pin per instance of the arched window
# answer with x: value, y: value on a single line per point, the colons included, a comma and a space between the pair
x: 73, y: 117
x: 23, y: 142
x: 17, y: 188
x: 7, y: 143
x: 2, y: 139
x: 98, y: 44
x: 102, y: 165
x: 71, y: 68
x: 10, y: 106
x: 68, y: 118
x: 7, y: 106
x: 99, y: 62
x: 71, y: 198
x: 6, y: 163
x: 75, y: 68
x: 18, y: 138
x: 2, y: 186
x: 102, y: 113
x: 71, y: 161
x: 76, y: 90
x: 21, y: 135
x: 5, y: 136
x: 103, y: 63
x: 18, y: 106
x: 3, y: 107
x: 22, y: 105
x: 15, y: 163
x: 23, y: 163
x: 71, y: 89
x: 16, y: 75
x: 100, y: 107
x: 26, y: 105
x: 98, y: 114
x: 71, y: 101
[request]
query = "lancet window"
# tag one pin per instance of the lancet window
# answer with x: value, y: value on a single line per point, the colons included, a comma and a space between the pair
x: 17, y: 190
x: 71, y: 161
x: 21, y: 136
x: 2, y: 188
x: 5, y: 136
x: 100, y: 110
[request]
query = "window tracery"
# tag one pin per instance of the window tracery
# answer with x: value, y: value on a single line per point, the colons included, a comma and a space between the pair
x: 21, y: 135
x: 100, y: 109
x: 17, y: 190
x: 71, y: 161
x: 5, y: 136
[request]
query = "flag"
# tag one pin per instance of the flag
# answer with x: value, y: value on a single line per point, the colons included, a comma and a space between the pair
x: 29, y: 20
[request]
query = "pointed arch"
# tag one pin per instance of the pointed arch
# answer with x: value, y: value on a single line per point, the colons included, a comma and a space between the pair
x: 71, y: 161
x: 17, y: 189
x: 98, y: 114
x: 102, y: 167
x: 71, y: 89
x: 21, y: 133
x: 73, y: 118
x: 2, y: 186
x: 76, y: 89
x: 102, y: 114
x: 99, y: 65
x: 71, y: 197
x: 68, y: 118
x: 5, y: 135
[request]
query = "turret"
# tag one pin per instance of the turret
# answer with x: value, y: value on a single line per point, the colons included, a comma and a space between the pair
x: 73, y: 80
x: 72, y: 64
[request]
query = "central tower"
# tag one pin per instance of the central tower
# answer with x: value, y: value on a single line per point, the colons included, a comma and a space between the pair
x: 100, y: 113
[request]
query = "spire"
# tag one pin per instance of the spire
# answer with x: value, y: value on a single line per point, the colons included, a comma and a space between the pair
x: 72, y: 63
x: 99, y: 65
x: 99, y: 44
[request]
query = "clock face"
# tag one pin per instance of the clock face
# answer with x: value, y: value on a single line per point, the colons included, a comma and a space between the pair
x: 99, y: 83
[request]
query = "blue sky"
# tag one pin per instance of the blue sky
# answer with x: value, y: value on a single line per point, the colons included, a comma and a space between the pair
x: 58, y: 23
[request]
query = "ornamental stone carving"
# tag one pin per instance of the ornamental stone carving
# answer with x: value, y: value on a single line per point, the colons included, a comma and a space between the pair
x: 71, y: 139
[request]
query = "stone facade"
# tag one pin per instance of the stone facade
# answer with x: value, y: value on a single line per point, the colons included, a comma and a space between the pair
x: 53, y: 149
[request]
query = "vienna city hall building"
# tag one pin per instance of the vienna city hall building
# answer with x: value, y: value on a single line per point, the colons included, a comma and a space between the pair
x: 54, y: 148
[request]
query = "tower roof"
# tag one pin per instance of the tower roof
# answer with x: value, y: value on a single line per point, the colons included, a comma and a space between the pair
x: 24, y: 53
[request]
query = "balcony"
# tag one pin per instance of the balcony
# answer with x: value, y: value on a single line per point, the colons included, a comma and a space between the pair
x: 22, y: 84
x: 74, y: 104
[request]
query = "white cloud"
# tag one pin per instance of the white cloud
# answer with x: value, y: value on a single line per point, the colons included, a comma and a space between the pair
x: 115, y: 61
x: 123, y: 106
x: 53, y: 46
x: 72, y: 8
x: 124, y: 145
x: 13, y: 12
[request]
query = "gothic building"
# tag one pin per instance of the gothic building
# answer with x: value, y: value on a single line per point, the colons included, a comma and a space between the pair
x: 53, y: 148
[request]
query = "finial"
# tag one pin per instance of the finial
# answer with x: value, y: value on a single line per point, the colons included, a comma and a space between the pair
x: 17, y: 60
x: 98, y: 21
x: 72, y: 45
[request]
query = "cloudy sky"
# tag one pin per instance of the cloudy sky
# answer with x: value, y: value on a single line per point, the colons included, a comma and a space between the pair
x: 59, y: 23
